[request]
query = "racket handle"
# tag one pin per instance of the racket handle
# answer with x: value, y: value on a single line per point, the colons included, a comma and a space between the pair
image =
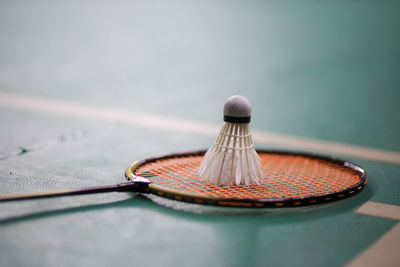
x: 132, y: 186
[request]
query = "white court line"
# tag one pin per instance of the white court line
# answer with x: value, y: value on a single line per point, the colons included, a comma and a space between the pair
x: 380, y: 210
x: 160, y: 122
x: 384, y: 251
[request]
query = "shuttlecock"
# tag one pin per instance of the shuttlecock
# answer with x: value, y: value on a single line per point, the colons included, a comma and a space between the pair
x: 232, y: 159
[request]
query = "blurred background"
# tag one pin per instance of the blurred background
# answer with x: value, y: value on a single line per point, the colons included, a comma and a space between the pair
x: 310, y: 68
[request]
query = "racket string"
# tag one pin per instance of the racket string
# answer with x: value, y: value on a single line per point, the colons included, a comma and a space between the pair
x: 284, y: 176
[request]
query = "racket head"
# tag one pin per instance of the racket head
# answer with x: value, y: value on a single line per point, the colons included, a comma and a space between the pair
x: 290, y: 179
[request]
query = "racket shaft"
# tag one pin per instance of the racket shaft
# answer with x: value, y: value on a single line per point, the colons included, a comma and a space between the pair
x: 122, y: 187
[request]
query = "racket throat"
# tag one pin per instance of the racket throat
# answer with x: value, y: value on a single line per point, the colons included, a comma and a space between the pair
x: 139, y: 184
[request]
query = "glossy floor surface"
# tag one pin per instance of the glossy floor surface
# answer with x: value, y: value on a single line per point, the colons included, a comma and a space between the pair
x: 86, y: 88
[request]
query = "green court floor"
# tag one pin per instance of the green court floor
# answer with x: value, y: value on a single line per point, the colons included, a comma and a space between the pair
x: 87, y: 88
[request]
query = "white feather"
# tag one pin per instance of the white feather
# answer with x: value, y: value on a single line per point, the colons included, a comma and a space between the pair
x: 232, y: 159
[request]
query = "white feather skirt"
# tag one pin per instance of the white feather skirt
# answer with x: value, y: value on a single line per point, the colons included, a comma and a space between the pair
x: 232, y: 159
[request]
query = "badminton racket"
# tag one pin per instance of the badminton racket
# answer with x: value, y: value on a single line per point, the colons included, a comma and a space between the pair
x: 290, y: 179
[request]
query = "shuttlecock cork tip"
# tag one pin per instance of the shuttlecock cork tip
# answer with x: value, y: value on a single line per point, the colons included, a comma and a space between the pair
x: 237, y: 109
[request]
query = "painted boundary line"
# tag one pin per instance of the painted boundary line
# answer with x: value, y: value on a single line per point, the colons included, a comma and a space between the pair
x: 384, y: 251
x: 380, y: 210
x: 160, y: 122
